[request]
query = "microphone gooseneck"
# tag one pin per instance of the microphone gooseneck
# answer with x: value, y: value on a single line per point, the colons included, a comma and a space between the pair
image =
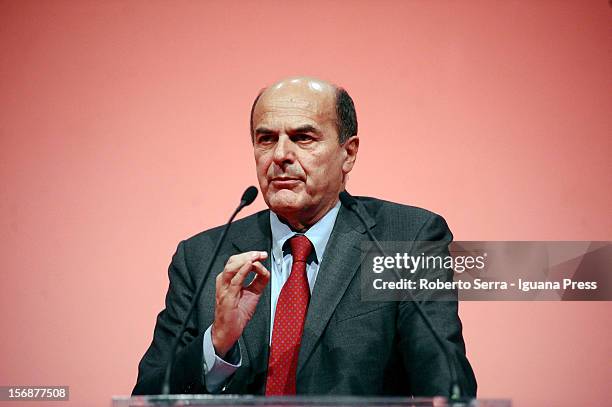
x: 247, y: 198
x: 455, y: 392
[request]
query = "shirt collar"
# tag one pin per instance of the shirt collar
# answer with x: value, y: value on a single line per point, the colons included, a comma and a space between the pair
x: 318, y: 233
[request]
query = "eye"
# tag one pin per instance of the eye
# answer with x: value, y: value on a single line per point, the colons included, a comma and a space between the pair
x: 302, y: 137
x: 265, y: 139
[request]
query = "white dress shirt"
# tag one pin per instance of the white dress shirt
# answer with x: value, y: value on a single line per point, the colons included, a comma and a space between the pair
x: 216, y: 370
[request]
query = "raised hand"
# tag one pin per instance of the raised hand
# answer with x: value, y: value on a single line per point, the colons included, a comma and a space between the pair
x: 234, y: 303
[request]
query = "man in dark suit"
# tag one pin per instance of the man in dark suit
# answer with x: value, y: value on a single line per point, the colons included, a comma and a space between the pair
x: 284, y: 313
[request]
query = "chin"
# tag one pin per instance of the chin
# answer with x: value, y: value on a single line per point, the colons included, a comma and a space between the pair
x: 284, y: 202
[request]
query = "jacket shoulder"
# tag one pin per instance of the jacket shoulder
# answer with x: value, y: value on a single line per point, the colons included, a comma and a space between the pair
x: 379, y: 207
x: 203, y: 242
x: 404, y: 222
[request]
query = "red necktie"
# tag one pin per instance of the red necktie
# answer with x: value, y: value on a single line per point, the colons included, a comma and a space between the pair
x: 289, y: 322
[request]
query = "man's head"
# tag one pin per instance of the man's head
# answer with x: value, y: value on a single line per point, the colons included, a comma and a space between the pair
x: 304, y: 133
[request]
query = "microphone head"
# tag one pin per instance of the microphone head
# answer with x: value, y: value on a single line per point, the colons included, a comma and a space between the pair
x: 249, y: 196
x: 347, y: 200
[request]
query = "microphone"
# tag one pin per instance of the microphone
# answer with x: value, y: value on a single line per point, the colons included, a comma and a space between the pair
x: 455, y: 390
x: 247, y: 198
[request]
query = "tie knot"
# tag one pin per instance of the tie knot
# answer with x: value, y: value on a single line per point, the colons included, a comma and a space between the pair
x: 300, y: 247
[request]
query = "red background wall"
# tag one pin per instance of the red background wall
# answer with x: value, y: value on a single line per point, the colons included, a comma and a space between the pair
x: 124, y: 129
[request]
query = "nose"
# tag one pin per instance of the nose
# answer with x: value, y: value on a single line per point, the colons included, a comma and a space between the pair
x: 284, y: 151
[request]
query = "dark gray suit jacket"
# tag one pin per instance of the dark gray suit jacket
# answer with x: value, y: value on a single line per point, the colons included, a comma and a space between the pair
x: 349, y: 346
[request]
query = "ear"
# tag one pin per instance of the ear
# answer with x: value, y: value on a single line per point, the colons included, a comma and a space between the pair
x: 350, y: 146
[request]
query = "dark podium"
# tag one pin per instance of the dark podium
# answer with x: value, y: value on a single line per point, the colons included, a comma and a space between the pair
x: 299, y: 401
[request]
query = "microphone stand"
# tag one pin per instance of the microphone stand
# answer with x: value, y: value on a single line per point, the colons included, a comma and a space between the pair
x: 247, y: 198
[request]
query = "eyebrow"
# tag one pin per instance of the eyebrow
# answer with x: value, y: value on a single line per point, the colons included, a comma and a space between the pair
x: 307, y: 128
x: 263, y: 130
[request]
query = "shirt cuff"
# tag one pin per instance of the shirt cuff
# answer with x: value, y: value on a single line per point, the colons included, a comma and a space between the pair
x: 217, y: 371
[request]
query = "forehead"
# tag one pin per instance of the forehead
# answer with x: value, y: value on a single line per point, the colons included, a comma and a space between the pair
x: 294, y: 105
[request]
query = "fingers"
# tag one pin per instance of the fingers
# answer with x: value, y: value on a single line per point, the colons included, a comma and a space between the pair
x: 235, y: 262
x: 232, y: 309
x: 261, y: 279
x: 237, y: 282
x: 238, y: 279
x: 237, y: 268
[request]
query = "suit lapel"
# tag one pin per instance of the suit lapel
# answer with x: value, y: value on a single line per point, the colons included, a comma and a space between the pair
x: 340, y: 262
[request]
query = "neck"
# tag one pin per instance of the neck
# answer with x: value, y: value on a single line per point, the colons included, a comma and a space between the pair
x: 301, y: 221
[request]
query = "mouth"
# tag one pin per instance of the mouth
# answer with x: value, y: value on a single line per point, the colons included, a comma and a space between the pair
x: 285, y: 182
